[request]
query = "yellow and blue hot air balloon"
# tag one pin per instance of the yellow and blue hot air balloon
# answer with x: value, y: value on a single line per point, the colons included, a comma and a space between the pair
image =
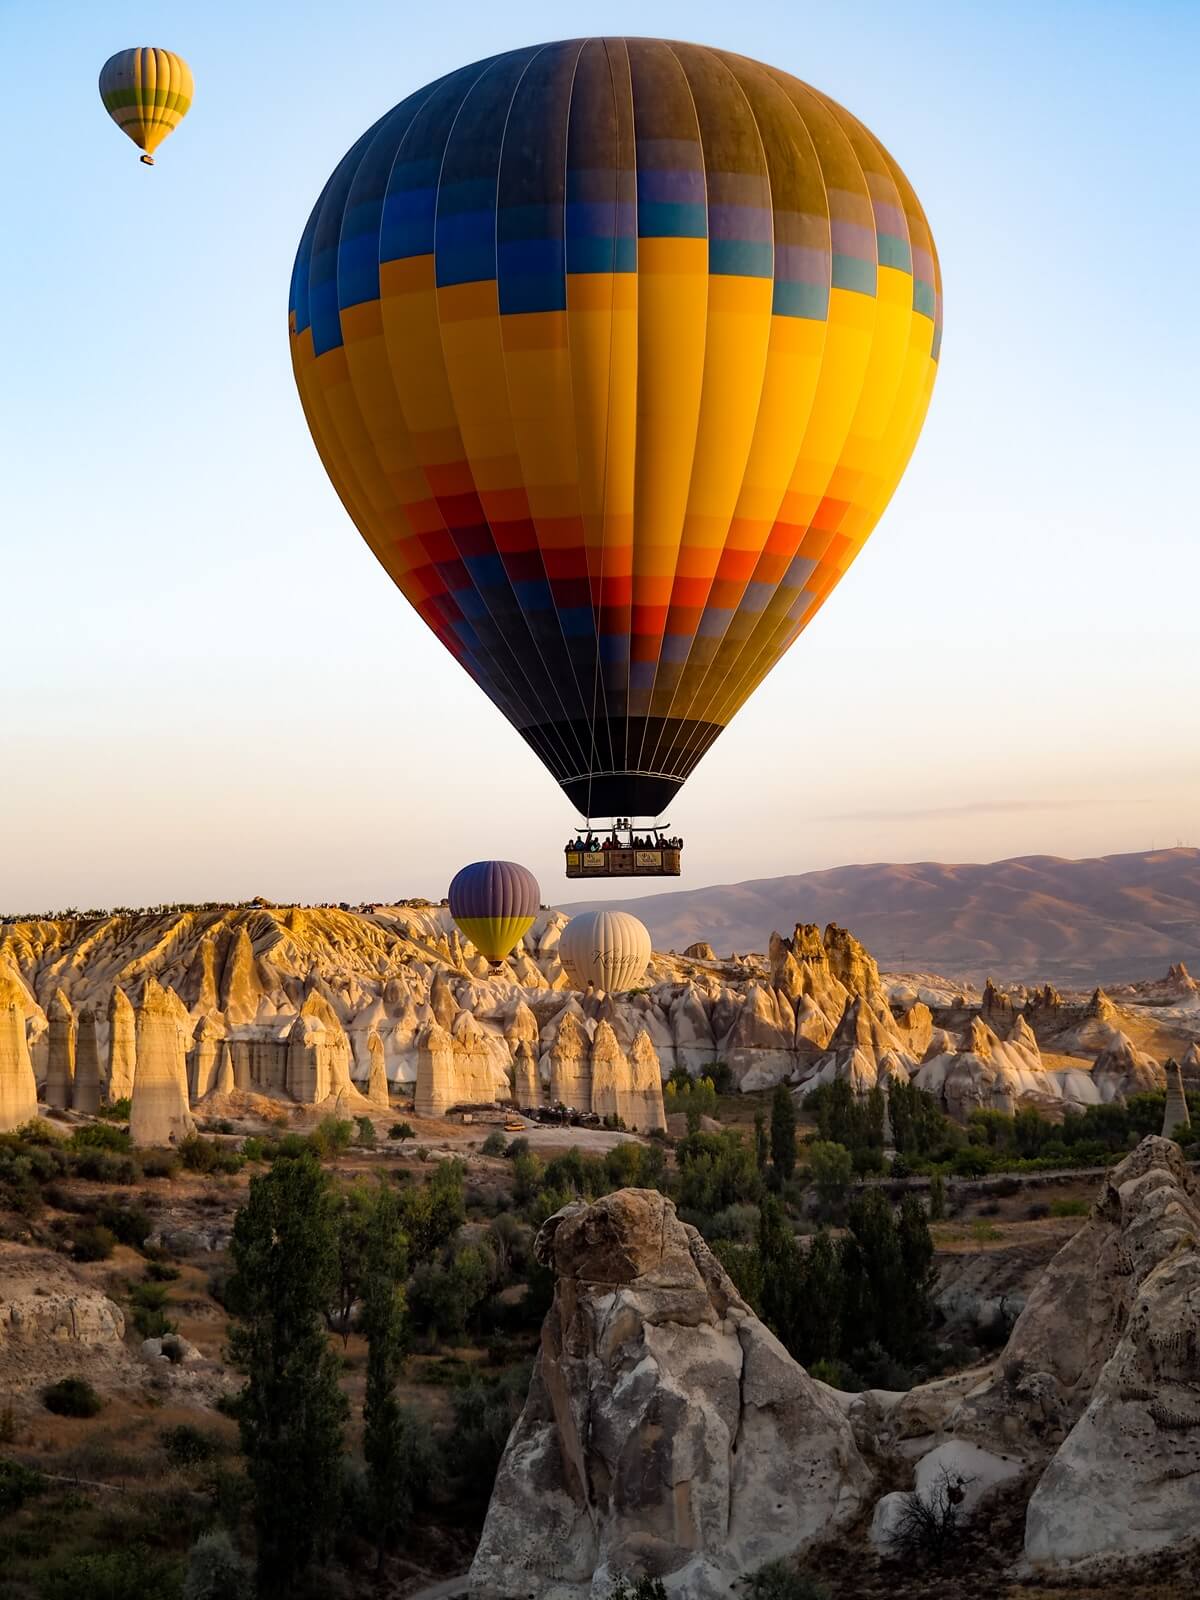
x: 494, y: 904
x: 147, y: 93
x: 615, y: 351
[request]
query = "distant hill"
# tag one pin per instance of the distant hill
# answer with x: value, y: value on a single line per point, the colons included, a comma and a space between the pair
x: 1034, y: 917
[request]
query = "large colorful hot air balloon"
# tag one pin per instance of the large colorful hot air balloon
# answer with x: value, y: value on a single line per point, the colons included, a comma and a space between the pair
x: 494, y: 904
x: 615, y: 350
x: 608, y: 949
x: 147, y: 93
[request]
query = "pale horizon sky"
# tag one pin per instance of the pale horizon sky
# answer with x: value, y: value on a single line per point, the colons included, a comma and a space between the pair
x: 211, y: 690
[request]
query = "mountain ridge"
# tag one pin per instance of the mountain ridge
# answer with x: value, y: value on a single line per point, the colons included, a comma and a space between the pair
x: 1026, y: 918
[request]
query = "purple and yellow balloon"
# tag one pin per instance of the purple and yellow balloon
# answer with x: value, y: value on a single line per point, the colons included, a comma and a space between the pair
x: 494, y: 904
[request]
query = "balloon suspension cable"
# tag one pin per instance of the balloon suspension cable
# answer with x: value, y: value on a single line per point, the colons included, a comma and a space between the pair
x: 146, y: 159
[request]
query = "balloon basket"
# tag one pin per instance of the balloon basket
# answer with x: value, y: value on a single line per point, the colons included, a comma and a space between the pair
x: 146, y: 160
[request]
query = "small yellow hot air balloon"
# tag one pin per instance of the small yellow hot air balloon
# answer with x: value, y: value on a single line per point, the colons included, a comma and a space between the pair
x: 147, y: 93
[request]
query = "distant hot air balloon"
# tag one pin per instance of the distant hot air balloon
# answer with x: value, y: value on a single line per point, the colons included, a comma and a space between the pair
x: 615, y: 351
x: 608, y: 949
x: 494, y: 904
x: 147, y: 93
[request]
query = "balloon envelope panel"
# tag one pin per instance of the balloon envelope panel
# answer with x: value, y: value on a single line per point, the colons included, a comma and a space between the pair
x: 494, y: 904
x: 608, y: 949
x: 147, y: 92
x: 615, y: 350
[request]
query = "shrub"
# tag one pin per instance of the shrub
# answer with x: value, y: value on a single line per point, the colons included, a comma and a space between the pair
x: 1069, y: 1208
x: 215, y: 1570
x: 72, y: 1397
x: 832, y: 1168
x: 779, y: 1580
x: 206, y: 1155
x: 366, y: 1131
x: 1037, y: 1211
x: 151, y: 1323
x: 131, y: 1574
x: 17, y: 1484
x: 331, y: 1136
x: 517, y: 1147
x: 129, y: 1222
x: 256, y: 1149
x: 928, y: 1528
x: 104, y: 1166
x: 187, y: 1446
x: 639, y: 1589
x: 495, y: 1144
x: 101, y: 1136
x: 159, y: 1163
x: 93, y: 1244
x: 401, y: 1131
x: 117, y: 1110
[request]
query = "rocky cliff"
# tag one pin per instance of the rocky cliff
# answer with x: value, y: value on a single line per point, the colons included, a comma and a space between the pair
x: 666, y: 1430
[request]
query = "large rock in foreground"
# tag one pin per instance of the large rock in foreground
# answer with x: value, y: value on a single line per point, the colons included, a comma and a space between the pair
x: 666, y: 1430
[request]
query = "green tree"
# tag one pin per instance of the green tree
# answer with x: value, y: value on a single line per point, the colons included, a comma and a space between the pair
x: 388, y: 1434
x: 783, y: 1132
x: 819, y: 1311
x: 762, y: 1144
x: 285, y: 1261
x: 914, y: 1312
x: 832, y: 1168
x: 430, y: 1213
x: 782, y: 1272
x: 937, y: 1197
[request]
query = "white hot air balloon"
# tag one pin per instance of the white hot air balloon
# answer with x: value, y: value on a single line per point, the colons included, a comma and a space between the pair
x: 608, y: 949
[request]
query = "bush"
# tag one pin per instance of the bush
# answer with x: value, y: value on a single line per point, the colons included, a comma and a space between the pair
x: 131, y: 1574
x: 517, y: 1147
x: 17, y: 1484
x: 159, y: 1164
x: 117, y: 1111
x: 187, y: 1446
x: 105, y: 1166
x: 402, y: 1131
x: 215, y: 1570
x: 93, y: 1244
x: 128, y: 1222
x: 72, y: 1397
x: 331, y: 1136
x: 1037, y: 1211
x: 101, y: 1136
x: 641, y: 1589
x: 495, y: 1144
x: 779, y: 1580
x: 832, y: 1168
x: 1069, y: 1208
x: 365, y: 1132
x: 927, y: 1529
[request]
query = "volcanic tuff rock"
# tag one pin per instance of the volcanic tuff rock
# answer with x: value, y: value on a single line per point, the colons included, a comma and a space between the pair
x: 18, y: 1091
x: 60, y: 1070
x: 666, y: 1430
x: 1122, y: 1070
x: 159, y: 1112
x: 122, y: 1045
x: 87, y: 1091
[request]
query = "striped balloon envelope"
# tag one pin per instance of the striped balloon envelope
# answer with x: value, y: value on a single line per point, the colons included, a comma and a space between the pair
x: 147, y: 93
x: 615, y: 351
x: 494, y: 904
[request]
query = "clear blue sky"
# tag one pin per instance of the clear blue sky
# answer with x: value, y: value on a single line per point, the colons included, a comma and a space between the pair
x: 210, y: 689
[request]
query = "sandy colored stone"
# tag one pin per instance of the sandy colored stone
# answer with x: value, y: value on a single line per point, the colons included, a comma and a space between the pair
x: 18, y: 1090
x: 87, y: 1092
x: 159, y: 1113
x: 377, y: 1081
x: 1175, y: 1113
x: 122, y: 1045
x: 571, y: 1065
x: 527, y: 1084
x: 60, y: 1071
x: 666, y: 1430
x: 204, y: 1055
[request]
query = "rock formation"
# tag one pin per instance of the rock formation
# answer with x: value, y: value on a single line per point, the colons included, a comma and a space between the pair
x: 1189, y: 1067
x: 570, y: 1065
x: 87, y: 1091
x: 700, y: 951
x: 377, y: 1081
x: 122, y: 1046
x: 1121, y: 1070
x: 204, y: 1055
x: 60, y: 1071
x: 455, y: 1068
x: 18, y: 1090
x: 1175, y: 1112
x: 159, y: 1113
x: 1112, y: 1331
x: 666, y: 1430
x: 527, y: 1086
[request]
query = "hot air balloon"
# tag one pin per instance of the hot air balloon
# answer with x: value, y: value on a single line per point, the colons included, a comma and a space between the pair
x: 494, y: 904
x: 615, y: 351
x: 608, y: 949
x: 147, y: 93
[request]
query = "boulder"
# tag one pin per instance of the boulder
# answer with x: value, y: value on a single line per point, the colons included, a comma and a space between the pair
x: 700, y: 951
x: 666, y: 1430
